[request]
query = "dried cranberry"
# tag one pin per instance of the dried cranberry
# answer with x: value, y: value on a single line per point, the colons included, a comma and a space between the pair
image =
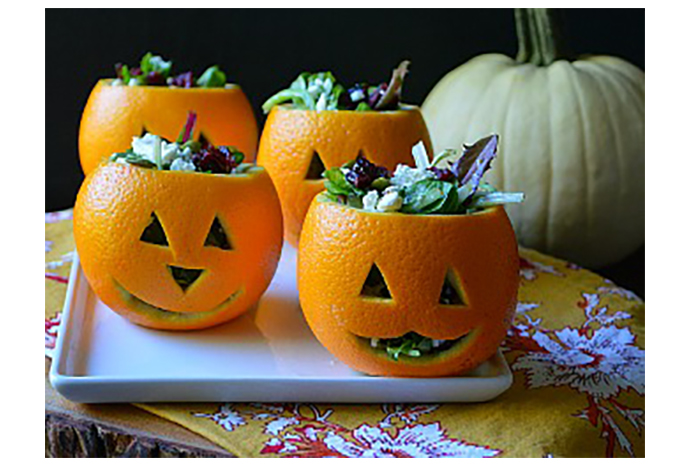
x: 364, y: 164
x: 220, y: 159
x: 363, y: 173
x: 361, y: 162
x: 442, y: 174
x: 233, y: 156
x: 358, y: 179
x: 155, y: 79
x: 118, y: 70
x: 209, y: 161
x: 185, y: 80
x: 135, y: 72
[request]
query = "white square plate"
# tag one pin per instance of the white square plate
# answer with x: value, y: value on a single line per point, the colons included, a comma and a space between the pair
x: 266, y: 355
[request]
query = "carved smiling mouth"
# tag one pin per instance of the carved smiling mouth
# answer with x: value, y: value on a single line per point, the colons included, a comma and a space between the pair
x: 411, y: 345
x: 146, y: 309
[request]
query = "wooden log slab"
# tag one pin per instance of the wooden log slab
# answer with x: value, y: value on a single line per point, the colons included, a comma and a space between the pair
x: 115, y: 430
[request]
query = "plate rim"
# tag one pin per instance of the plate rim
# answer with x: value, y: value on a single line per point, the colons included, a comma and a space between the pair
x: 73, y: 386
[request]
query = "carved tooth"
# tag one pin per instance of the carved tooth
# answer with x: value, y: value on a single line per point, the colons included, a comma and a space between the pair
x: 374, y: 342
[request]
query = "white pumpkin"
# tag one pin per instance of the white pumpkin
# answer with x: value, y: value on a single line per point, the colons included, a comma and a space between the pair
x: 571, y: 138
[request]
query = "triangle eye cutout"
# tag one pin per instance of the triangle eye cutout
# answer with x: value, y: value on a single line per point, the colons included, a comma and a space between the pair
x: 217, y: 237
x: 316, y: 167
x: 203, y: 140
x: 451, y: 292
x: 375, y: 285
x: 154, y: 233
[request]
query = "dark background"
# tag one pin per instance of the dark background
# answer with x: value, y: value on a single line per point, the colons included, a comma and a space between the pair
x: 264, y: 50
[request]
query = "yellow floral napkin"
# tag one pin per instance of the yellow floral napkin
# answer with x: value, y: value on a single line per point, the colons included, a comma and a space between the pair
x: 576, y: 350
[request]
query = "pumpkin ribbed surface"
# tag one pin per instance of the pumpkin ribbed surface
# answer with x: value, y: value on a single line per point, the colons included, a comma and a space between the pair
x: 339, y: 246
x: 115, y: 205
x: 115, y: 114
x: 572, y: 139
x: 291, y: 137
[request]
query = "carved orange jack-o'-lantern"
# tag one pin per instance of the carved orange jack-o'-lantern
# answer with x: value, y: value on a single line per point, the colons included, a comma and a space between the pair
x: 115, y: 114
x: 367, y: 277
x: 298, y: 145
x: 174, y: 249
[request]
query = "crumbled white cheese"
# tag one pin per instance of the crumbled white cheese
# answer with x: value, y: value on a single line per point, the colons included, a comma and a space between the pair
x: 133, y: 82
x: 182, y: 164
x: 391, y: 200
x: 357, y: 95
x: 370, y: 200
x: 117, y: 82
x: 170, y: 152
x: 405, y: 176
x: 145, y: 147
x: 186, y: 153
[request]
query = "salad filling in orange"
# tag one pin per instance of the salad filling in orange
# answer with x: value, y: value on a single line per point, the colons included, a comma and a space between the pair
x: 449, y: 184
x: 153, y: 70
x: 185, y: 154
x: 321, y: 91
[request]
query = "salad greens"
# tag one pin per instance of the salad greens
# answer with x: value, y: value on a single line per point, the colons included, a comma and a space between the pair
x: 153, y: 70
x: 310, y: 92
x: 411, y: 345
x: 321, y: 91
x: 185, y: 154
x: 451, y: 183
x: 212, y: 77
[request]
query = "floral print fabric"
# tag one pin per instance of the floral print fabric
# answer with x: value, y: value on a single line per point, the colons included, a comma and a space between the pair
x: 576, y: 349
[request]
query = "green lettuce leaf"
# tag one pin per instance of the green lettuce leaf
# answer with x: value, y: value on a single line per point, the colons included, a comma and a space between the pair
x: 151, y: 63
x: 337, y: 185
x: 310, y: 91
x: 429, y: 196
x: 411, y: 345
x: 212, y: 77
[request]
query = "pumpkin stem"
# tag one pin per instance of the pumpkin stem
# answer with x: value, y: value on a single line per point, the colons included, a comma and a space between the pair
x: 539, y: 38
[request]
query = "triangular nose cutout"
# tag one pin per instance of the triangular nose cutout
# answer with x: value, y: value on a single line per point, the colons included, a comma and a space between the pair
x: 316, y: 167
x: 375, y: 285
x: 143, y: 131
x: 184, y: 277
x: 451, y: 292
